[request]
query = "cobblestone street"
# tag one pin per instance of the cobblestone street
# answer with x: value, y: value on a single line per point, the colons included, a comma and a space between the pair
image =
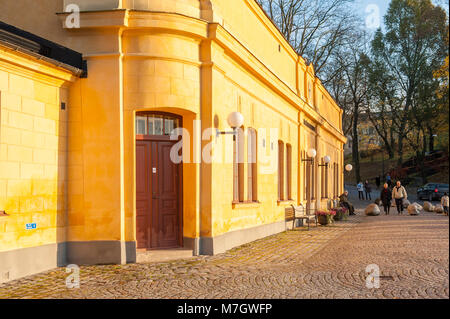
x: 326, y: 262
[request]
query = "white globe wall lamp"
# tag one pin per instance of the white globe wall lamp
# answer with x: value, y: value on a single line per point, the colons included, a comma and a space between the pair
x: 326, y: 160
x: 235, y: 120
x: 311, y: 154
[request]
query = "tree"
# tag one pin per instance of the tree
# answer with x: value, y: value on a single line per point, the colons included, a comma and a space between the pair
x: 384, y: 104
x: 315, y: 28
x: 412, y: 46
x: 350, y: 87
x: 442, y: 97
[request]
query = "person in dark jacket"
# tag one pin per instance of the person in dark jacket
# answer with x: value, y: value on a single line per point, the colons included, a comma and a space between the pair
x: 378, y: 181
x: 344, y: 202
x: 368, y: 190
x: 386, y: 198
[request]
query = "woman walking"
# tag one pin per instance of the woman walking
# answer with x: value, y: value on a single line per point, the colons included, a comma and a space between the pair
x: 399, y: 194
x: 368, y: 190
x: 386, y: 198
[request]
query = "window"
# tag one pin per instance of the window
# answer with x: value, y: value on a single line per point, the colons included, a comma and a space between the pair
x: 324, y: 180
x: 309, y: 182
x: 155, y: 124
x: 289, y: 171
x: 252, y: 165
x: 238, y: 167
x: 313, y: 179
x: 336, y: 180
x: 306, y: 177
x: 141, y: 125
x: 280, y: 170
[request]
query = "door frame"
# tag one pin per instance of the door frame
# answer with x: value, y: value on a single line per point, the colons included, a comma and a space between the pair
x: 164, y: 138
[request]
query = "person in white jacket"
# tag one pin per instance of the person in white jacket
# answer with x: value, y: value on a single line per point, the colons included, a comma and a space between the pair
x: 360, y: 188
x: 399, y: 195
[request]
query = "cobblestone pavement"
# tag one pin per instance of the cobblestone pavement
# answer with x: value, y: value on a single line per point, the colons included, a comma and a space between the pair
x: 325, y: 262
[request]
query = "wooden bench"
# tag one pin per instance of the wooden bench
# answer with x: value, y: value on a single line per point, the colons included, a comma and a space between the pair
x: 299, y: 212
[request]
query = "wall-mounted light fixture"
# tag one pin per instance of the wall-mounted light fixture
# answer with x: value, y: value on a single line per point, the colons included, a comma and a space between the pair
x: 326, y: 160
x: 235, y: 121
x: 349, y: 167
x: 311, y: 153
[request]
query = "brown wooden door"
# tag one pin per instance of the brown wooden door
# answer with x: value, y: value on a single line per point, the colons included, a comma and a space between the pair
x: 158, y: 181
x: 143, y: 194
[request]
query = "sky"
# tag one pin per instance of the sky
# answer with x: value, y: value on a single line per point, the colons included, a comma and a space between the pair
x: 373, y: 11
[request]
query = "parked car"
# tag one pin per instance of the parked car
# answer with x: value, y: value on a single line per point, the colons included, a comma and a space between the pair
x: 432, y: 191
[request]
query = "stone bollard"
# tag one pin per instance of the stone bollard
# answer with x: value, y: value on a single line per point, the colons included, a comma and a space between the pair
x: 413, y: 210
x: 439, y: 209
x: 372, y: 210
x: 428, y: 207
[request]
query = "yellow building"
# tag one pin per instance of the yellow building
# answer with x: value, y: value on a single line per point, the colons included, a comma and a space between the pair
x: 87, y: 160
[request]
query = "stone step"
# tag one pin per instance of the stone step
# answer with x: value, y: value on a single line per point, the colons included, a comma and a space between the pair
x: 162, y: 255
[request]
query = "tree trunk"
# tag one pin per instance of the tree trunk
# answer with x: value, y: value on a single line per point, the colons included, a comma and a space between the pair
x: 400, y: 150
x: 431, y: 139
x: 404, y: 121
x: 390, y: 151
x: 392, y: 144
x: 422, y: 159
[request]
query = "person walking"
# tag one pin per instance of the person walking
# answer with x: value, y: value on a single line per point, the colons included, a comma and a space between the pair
x: 389, y: 180
x: 444, y: 203
x: 386, y: 198
x: 368, y: 190
x: 399, y: 194
x: 360, y: 188
x: 378, y: 181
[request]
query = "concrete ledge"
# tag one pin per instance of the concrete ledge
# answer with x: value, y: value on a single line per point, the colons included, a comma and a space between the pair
x: 100, y: 252
x: 224, y: 242
x: 192, y: 244
x: 163, y: 255
x: 23, y: 262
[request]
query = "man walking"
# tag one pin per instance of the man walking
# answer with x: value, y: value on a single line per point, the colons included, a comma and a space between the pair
x: 360, y: 188
x: 399, y: 194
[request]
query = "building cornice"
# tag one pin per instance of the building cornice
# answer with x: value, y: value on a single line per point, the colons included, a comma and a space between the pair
x: 34, y: 68
x: 129, y: 20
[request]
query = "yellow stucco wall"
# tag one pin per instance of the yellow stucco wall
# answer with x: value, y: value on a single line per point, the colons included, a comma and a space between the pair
x: 33, y: 151
x: 197, y: 59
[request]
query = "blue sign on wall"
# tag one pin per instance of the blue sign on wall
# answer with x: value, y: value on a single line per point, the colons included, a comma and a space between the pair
x: 31, y: 226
